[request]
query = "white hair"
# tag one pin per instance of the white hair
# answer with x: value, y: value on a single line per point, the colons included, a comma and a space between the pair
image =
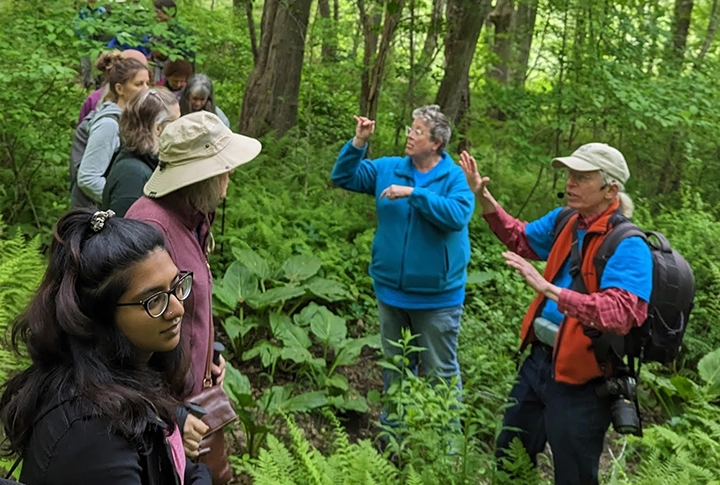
x: 627, y: 207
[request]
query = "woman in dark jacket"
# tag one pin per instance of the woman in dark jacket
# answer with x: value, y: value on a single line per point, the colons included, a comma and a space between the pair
x: 141, y: 123
x: 98, y: 402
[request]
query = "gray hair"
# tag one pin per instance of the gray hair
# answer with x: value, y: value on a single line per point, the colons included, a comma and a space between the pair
x: 627, y: 206
x: 205, y: 195
x: 438, y: 123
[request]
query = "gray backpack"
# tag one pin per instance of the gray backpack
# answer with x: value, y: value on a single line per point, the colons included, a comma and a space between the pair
x: 77, y: 150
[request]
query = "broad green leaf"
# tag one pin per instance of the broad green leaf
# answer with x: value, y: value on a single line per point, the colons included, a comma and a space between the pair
x: 254, y: 262
x: 709, y: 371
x: 353, y: 402
x: 304, y: 317
x: 237, y: 386
x: 239, y: 282
x: 480, y: 277
x: 327, y: 289
x: 275, y: 296
x: 337, y: 381
x: 298, y: 355
x: 350, y: 349
x: 304, y: 402
x: 301, y: 267
x: 232, y: 326
x: 684, y: 387
x: 267, y: 352
x: 274, y: 396
x: 290, y: 334
x: 328, y: 327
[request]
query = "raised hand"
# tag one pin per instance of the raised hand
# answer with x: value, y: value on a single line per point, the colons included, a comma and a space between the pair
x: 475, y: 181
x: 363, y: 129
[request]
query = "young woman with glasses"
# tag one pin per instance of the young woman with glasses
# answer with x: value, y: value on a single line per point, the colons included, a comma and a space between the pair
x: 98, y: 402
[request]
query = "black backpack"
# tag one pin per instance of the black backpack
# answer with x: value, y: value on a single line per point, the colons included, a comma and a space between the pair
x: 77, y: 150
x: 659, y: 338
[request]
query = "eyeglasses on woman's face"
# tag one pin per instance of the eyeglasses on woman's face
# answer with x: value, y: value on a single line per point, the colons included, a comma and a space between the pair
x: 416, y: 132
x: 156, y: 304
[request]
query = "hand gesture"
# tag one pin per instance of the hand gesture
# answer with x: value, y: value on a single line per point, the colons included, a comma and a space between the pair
x: 364, y: 128
x: 396, y: 192
x: 475, y: 181
x: 532, y: 276
x: 193, y: 432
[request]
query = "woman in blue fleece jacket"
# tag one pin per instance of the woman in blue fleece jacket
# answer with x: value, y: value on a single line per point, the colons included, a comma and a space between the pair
x: 421, y: 248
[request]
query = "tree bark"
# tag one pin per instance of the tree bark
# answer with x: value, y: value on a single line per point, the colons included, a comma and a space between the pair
x: 711, y: 30
x: 248, y: 7
x: 464, y: 21
x: 502, y: 18
x: 270, y: 101
x: 431, y: 39
x: 680, y: 28
x: 370, y: 86
x: 523, y: 31
x: 329, y: 39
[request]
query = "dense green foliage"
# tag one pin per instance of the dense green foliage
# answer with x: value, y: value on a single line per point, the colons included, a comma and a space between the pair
x: 292, y: 292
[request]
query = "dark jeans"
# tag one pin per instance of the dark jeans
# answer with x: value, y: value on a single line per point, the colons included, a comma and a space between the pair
x: 572, y: 418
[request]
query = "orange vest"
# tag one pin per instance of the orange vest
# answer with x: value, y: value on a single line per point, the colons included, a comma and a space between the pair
x: 573, y: 355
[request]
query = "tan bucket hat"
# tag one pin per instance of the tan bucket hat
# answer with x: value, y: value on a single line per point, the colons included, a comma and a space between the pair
x: 196, y: 147
x: 596, y: 156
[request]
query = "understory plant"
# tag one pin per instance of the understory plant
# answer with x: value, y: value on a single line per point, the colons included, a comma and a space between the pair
x: 271, y: 314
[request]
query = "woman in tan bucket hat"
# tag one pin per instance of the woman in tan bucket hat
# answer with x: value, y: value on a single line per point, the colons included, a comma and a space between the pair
x: 196, y: 157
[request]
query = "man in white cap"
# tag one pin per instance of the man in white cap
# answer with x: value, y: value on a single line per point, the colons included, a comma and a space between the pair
x: 555, y: 398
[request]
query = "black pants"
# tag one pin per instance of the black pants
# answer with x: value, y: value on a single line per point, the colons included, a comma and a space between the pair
x: 572, y: 418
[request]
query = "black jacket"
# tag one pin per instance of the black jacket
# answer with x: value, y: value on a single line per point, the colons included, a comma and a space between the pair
x: 68, y: 447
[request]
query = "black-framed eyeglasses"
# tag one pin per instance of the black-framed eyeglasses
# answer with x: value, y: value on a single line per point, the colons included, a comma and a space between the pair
x: 156, y: 304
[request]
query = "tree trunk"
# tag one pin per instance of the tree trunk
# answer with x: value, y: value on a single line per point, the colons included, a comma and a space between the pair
x: 369, y: 97
x: 711, y: 30
x: 270, y: 101
x: 523, y: 31
x: 248, y: 7
x: 431, y: 39
x: 464, y: 21
x: 329, y: 39
x: 502, y: 18
x: 675, y: 51
x: 370, y: 23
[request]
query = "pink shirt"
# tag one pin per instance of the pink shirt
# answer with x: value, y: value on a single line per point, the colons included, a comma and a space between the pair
x: 612, y: 310
x: 178, y: 453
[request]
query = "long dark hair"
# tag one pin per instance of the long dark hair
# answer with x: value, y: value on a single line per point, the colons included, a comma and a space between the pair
x: 198, y: 85
x: 71, y: 336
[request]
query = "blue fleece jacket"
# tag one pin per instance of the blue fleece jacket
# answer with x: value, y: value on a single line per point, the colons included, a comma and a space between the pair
x: 421, y: 243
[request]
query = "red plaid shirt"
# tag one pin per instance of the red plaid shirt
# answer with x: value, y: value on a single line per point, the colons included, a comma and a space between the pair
x: 610, y: 310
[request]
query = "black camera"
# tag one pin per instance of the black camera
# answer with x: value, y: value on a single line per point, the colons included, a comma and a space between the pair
x: 624, y: 413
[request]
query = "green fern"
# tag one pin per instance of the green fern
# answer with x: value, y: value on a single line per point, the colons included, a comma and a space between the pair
x: 21, y: 269
x: 347, y: 464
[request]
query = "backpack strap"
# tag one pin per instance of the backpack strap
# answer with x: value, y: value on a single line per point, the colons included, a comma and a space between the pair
x: 561, y: 221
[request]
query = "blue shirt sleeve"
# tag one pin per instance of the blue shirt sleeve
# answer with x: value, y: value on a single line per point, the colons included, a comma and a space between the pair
x: 630, y: 268
x: 540, y: 233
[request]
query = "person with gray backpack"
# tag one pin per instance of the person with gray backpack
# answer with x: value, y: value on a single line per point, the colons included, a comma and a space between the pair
x: 97, y: 139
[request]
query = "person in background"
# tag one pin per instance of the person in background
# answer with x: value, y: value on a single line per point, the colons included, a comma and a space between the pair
x: 141, y: 123
x: 126, y: 78
x: 196, y: 157
x: 176, y: 74
x: 555, y: 399
x: 421, y: 248
x: 166, y: 13
x: 103, y: 64
x: 98, y: 402
x: 199, y: 95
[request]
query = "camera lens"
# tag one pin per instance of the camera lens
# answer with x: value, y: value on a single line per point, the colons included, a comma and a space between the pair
x: 624, y: 416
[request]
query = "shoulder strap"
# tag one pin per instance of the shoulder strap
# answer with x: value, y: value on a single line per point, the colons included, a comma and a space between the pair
x: 561, y: 221
x: 622, y: 229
